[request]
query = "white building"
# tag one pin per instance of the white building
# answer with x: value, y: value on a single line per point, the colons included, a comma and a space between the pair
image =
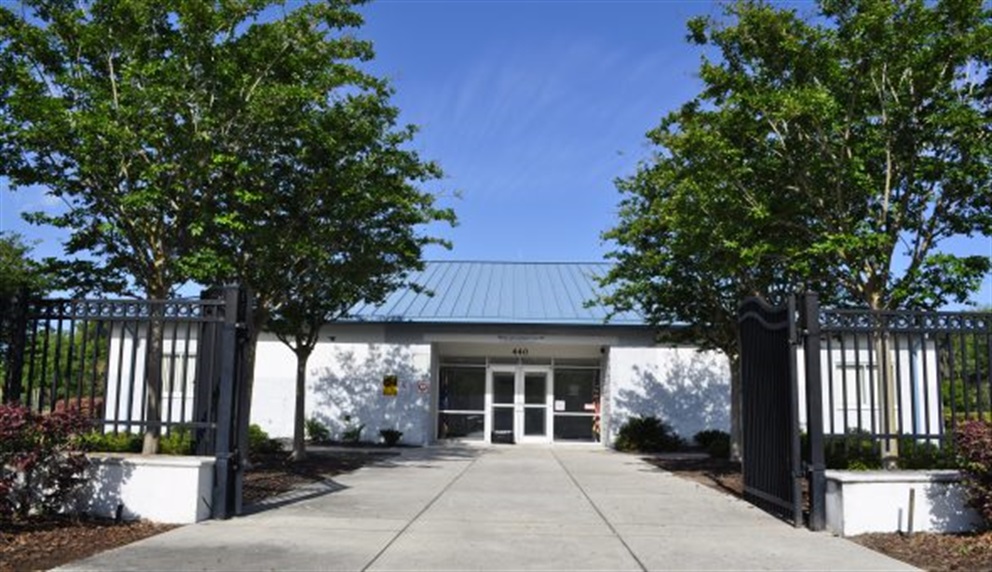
x: 521, y: 352
x: 498, y: 351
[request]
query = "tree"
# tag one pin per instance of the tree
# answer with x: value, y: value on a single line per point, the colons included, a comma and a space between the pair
x: 20, y: 276
x: 181, y: 135
x: 835, y: 153
x: 315, y: 203
x: 18, y: 271
x: 375, y: 246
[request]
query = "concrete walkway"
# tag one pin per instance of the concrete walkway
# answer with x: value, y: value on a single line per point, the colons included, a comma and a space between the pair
x: 499, y: 508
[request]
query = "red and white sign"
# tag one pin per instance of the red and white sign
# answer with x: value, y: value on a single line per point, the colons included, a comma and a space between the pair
x: 423, y: 386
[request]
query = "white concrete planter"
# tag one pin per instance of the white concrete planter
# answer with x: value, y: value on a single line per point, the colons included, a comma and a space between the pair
x: 160, y: 488
x: 879, y: 501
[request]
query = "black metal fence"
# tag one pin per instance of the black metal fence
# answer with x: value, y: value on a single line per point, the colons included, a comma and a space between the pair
x: 896, y: 385
x: 164, y: 367
x: 874, y: 389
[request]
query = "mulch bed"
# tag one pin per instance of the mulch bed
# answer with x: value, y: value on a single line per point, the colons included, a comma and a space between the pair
x: 43, y: 543
x: 943, y: 552
x: 934, y: 551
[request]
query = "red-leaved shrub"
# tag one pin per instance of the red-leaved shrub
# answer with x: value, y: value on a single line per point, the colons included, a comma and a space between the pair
x: 40, y: 468
x: 974, y: 445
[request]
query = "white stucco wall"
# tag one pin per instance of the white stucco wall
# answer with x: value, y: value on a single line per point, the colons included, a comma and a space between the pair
x: 345, y: 379
x: 160, y: 488
x: 859, y: 502
x: 125, y: 392
x: 686, y: 388
x: 850, y: 404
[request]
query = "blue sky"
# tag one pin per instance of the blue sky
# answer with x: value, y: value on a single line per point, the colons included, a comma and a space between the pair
x: 532, y: 108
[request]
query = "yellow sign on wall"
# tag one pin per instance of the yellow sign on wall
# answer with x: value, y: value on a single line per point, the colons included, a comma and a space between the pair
x: 390, y: 385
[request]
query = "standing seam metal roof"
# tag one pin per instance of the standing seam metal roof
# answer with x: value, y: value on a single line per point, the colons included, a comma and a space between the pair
x: 499, y: 292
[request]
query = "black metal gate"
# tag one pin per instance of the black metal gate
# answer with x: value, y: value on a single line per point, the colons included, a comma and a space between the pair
x: 770, y: 408
x: 774, y: 464
x: 140, y: 365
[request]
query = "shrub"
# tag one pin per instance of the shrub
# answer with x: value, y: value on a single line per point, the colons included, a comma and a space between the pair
x: 40, y: 470
x: 855, y: 451
x: 260, y: 443
x: 715, y: 442
x: 919, y: 454
x: 179, y: 441
x: 122, y: 442
x: 973, y: 440
x: 647, y: 435
x: 317, y: 431
x: 353, y: 435
x: 390, y: 436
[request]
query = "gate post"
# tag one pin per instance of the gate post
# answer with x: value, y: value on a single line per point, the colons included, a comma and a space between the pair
x: 225, y: 481
x: 14, y: 330
x: 244, y: 364
x: 814, y: 411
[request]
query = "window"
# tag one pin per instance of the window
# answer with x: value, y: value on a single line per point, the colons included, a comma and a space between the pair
x: 576, y: 404
x: 461, y: 403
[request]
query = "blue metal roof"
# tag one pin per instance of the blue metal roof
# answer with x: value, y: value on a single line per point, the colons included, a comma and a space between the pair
x: 499, y: 292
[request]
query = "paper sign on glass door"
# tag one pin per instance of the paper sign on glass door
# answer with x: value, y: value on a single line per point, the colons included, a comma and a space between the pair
x: 559, y: 404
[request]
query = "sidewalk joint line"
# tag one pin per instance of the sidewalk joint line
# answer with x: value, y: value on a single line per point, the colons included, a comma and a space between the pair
x: 599, y: 512
x: 421, y: 513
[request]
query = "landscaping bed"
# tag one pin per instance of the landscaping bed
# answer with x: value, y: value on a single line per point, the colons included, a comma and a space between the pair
x: 43, y: 543
x: 937, y: 552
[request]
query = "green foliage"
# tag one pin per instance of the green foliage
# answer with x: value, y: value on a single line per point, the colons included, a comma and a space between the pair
x: 200, y: 140
x: 390, y: 436
x: 856, y: 451
x: 973, y: 440
x: 20, y: 276
x: 260, y: 443
x: 925, y: 455
x: 859, y: 451
x: 647, y: 435
x: 18, y: 271
x: 50, y: 376
x: 964, y: 363
x: 179, y: 441
x: 353, y: 434
x: 819, y: 149
x: 837, y: 153
x: 715, y: 442
x: 40, y: 470
x: 317, y: 431
x: 122, y: 442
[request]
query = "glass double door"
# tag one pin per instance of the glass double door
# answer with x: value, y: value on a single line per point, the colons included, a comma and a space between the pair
x: 519, y: 398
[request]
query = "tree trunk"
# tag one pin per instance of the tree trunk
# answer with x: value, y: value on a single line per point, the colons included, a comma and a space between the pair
x: 251, y: 347
x: 299, y: 437
x: 884, y: 361
x: 887, y: 387
x: 736, y: 437
x: 153, y: 376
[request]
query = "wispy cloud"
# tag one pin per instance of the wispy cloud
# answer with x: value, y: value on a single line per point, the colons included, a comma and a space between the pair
x: 552, y: 118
